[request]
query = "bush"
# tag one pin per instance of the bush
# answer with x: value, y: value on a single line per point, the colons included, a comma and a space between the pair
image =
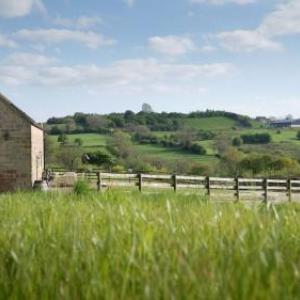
x: 237, y: 142
x: 62, y: 138
x: 258, y: 138
x: 98, y: 158
x: 298, y: 135
x: 81, y: 187
x: 197, y: 149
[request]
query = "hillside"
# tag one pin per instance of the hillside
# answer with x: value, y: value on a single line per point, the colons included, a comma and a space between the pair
x: 199, y: 143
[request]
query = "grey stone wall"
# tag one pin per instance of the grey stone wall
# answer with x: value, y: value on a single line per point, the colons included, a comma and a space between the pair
x: 15, y: 150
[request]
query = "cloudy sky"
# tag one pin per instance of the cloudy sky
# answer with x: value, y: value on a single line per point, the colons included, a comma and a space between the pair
x: 62, y: 56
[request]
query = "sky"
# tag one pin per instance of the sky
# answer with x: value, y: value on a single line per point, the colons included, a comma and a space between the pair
x: 58, y: 57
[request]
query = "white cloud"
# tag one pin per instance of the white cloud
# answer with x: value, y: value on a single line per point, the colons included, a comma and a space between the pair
x: 284, y: 20
x: 128, y: 75
x: 5, y: 42
x: 246, y: 40
x: 19, y: 8
x: 129, y: 2
x: 83, y: 22
x: 172, y: 45
x: 222, y: 2
x: 29, y: 59
x: 55, y: 36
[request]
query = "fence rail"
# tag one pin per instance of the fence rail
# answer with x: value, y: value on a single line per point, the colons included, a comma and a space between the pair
x: 176, y: 182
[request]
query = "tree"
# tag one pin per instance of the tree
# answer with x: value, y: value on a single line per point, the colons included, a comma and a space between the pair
x: 258, y: 138
x: 98, y: 158
x: 222, y: 144
x: 119, y: 144
x: 198, y: 149
x: 55, y: 130
x: 49, y: 151
x: 69, y: 156
x: 78, y: 141
x: 129, y: 116
x: 147, y: 108
x: 230, y: 162
x: 62, y: 138
x: 237, y: 142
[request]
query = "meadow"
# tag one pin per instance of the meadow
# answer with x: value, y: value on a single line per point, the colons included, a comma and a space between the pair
x: 284, y: 141
x: 146, y: 246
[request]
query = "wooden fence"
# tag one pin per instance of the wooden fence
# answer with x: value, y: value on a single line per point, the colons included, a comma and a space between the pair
x: 177, y: 182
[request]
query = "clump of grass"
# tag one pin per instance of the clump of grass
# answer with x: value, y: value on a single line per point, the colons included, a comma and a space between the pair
x: 123, y: 245
x: 81, y: 187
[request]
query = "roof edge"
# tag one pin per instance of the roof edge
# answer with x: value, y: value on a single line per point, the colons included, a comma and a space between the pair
x: 20, y: 112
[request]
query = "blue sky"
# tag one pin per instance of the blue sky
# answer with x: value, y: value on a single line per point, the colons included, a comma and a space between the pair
x: 63, y: 56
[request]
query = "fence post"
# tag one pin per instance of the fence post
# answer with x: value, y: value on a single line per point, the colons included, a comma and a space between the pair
x: 237, y: 188
x: 208, y: 185
x: 266, y: 190
x: 289, y: 189
x: 174, y: 183
x: 140, y: 177
x: 99, y: 184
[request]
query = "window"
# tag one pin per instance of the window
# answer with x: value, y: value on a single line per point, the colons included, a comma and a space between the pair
x: 6, y: 136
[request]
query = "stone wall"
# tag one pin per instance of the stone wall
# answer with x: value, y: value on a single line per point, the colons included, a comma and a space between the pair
x: 37, y: 153
x: 15, y: 150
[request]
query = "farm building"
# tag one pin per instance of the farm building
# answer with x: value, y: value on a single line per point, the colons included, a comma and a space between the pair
x: 21, y: 148
x: 286, y: 124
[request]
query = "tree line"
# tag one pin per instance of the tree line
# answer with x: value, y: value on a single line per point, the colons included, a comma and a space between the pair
x: 96, y: 123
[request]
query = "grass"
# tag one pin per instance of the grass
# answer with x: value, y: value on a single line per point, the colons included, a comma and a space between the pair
x: 164, y: 153
x: 156, y: 246
x: 283, y: 143
x: 213, y: 123
x: 89, y: 139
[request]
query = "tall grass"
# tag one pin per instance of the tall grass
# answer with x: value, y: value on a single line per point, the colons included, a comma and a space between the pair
x: 132, y: 246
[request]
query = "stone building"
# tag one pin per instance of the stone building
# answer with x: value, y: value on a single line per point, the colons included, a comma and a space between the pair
x: 21, y: 148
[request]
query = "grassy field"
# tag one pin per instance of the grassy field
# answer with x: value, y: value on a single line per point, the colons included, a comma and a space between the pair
x: 171, y: 154
x: 89, y: 139
x: 284, y: 141
x: 156, y: 246
x: 93, y: 142
x: 213, y: 123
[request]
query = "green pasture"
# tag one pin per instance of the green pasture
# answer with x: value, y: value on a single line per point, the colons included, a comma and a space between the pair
x: 213, y: 123
x: 164, y: 153
x: 89, y: 139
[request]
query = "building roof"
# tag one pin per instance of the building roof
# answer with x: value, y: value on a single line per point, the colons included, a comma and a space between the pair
x: 19, y: 111
x: 296, y: 122
x: 287, y: 122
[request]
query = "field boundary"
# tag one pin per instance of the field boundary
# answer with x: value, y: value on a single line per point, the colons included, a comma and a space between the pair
x: 102, y: 180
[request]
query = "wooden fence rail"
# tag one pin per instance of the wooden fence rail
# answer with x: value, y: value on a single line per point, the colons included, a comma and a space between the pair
x: 177, y: 182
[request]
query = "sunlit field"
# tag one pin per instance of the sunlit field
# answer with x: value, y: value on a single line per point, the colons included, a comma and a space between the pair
x: 146, y: 246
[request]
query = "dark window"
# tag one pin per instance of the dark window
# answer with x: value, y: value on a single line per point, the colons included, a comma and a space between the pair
x: 6, y: 136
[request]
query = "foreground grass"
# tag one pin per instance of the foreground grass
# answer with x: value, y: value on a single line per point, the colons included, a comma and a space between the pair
x: 132, y: 246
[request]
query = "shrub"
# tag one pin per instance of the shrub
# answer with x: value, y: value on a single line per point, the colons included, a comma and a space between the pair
x: 81, y: 187
x: 197, y: 149
x: 78, y: 141
x: 62, y: 138
x: 258, y: 138
x: 237, y: 142
x: 98, y: 158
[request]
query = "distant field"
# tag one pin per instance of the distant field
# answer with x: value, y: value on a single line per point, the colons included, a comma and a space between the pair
x: 123, y: 246
x: 171, y: 154
x: 213, y: 123
x: 92, y: 142
x: 89, y: 139
x: 284, y: 141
